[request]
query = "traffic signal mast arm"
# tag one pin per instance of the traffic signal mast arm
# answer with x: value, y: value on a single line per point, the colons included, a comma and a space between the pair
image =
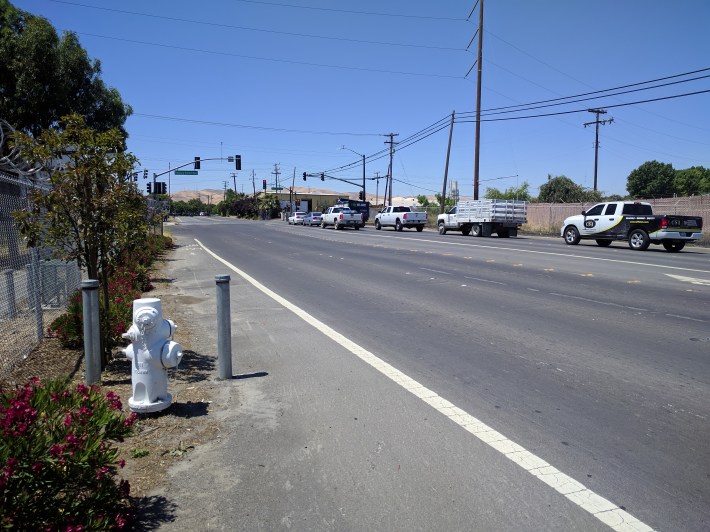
x: 331, y: 177
x: 189, y: 164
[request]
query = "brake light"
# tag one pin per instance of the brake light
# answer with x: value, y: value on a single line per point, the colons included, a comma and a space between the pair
x: 404, y: 216
x: 664, y: 223
x: 341, y: 215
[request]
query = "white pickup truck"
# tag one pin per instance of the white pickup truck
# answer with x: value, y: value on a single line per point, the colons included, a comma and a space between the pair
x: 399, y: 218
x: 340, y: 217
x: 485, y: 217
x: 633, y: 222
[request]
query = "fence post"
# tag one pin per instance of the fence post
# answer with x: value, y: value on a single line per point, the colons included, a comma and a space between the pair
x: 92, y: 330
x: 35, y: 291
x: 10, y: 293
x: 224, y: 327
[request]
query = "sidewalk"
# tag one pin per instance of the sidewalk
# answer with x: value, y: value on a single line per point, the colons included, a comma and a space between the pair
x: 312, y: 438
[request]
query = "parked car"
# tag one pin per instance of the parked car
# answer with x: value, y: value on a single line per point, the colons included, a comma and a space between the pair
x: 399, y: 218
x: 296, y: 218
x: 340, y: 217
x: 312, y: 218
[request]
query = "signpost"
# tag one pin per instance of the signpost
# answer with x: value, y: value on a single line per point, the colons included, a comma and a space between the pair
x: 186, y: 172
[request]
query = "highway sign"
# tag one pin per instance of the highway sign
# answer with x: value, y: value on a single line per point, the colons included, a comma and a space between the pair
x: 277, y: 188
x: 185, y: 172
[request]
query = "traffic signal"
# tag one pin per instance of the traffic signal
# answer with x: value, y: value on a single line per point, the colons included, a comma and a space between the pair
x: 361, y: 195
x: 304, y: 176
x: 264, y: 184
x: 197, y: 163
x: 135, y: 176
x: 149, y: 187
x: 322, y: 177
x: 145, y: 174
x: 238, y: 162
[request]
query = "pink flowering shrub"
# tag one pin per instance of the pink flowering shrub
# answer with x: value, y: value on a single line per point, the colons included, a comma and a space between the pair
x: 57, y: 462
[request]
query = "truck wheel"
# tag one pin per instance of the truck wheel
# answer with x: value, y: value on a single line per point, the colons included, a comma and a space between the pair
x: 572, y: 236
x: 603, y: 243
x: 420, y: 228
x: 476, y: 230
x: 674, y: 247
x: 639, y: 240
x: 442, y: 228
x: 322, y: 224
x: 357, y: 227
x: 336, y: 225
x: 398, y: 226
x: 465, y: 230
x: 377, y: 225
x: 503, y: 233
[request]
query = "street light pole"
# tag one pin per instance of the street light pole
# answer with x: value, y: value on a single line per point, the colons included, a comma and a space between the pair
x: 364, y: 196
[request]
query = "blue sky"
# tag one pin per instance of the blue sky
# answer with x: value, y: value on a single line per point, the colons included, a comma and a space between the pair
x: 290, y: 82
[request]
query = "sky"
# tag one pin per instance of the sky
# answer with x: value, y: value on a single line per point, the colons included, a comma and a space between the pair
x: 287, y: 84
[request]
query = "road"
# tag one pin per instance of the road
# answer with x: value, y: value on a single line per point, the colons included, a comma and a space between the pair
x: 596, y: 360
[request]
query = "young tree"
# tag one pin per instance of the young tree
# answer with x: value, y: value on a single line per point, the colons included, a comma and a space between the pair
x: 652, y: 180
x: 93, y: 210
x: 692, y: 181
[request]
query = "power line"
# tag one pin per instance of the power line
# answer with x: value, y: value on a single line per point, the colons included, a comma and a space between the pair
x: 260, y: 30
x: 257, y: 58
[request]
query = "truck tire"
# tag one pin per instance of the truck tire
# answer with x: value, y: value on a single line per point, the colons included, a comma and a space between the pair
x: 336, y: 225
x: 322, y: 224
x: 603, y: 243
x: 378, y: 226
x: 476, y: 230
x: 503, y: 233
x: 572, y: 236
x: 398, y: 225
x: 420, y: 228
x: 465, y: 230
x: 639, y: 240
x: 442, y: 228
x: 674, y: 247
x: 357, y: 227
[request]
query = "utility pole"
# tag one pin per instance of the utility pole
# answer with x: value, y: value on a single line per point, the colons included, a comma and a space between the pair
x: 597, y: 112
x: 253, y: 183
x: 276, y: 172
x: 478, y: 100
x: 234, y: 178
x: 377, y: 194
x: 224, y: 194
x: 388, y: 185
x: 446, y: 168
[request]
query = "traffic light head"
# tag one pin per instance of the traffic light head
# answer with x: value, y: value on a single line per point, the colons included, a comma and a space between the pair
x: 361, y: 195
x: 197, y: 163
x: 304, y: 176
x: 149, y: 187
x: 264, y: 183
x: 237, y: 162
x: 322, y: 177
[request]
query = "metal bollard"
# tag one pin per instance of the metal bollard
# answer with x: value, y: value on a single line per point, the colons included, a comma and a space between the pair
x: 92, y: 330
x: 224, y: 327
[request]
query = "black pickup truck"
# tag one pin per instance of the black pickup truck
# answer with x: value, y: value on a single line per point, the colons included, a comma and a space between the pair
x: 634, y: 222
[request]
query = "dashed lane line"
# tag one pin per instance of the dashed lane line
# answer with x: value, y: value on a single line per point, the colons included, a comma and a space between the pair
x: 601, y: 508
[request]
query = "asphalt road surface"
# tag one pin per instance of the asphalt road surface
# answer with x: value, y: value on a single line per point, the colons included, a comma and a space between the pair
x: 595, y: 360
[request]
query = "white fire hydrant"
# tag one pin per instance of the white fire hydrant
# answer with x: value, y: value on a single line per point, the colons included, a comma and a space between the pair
x: 151, y: 352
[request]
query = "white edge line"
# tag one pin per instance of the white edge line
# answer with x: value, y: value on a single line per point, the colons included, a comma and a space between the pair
x: 601, y: 508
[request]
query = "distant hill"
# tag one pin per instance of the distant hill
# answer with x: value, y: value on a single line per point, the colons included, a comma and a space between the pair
x: 217, y: 195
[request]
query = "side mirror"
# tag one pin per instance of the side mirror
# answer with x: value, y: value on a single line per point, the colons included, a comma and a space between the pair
x: 584, y: 213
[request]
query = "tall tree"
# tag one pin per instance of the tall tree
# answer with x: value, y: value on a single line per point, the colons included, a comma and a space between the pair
x: 562, y: 189
x: 511, y: 193
x: 44, y: 77
x: 651, y: 180
x: 692, y: 181
x: 93, y: 210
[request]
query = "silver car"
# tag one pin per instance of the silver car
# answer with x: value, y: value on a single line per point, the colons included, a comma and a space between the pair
x: 312, y: 218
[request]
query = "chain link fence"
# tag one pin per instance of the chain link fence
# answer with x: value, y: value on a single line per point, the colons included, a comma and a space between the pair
x: 34, y: 288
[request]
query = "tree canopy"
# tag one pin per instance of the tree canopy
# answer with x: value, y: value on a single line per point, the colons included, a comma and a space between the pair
x: 651, y: 180
x: 512, y: 193
x: 44, y: 77
x: 562, y: 189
